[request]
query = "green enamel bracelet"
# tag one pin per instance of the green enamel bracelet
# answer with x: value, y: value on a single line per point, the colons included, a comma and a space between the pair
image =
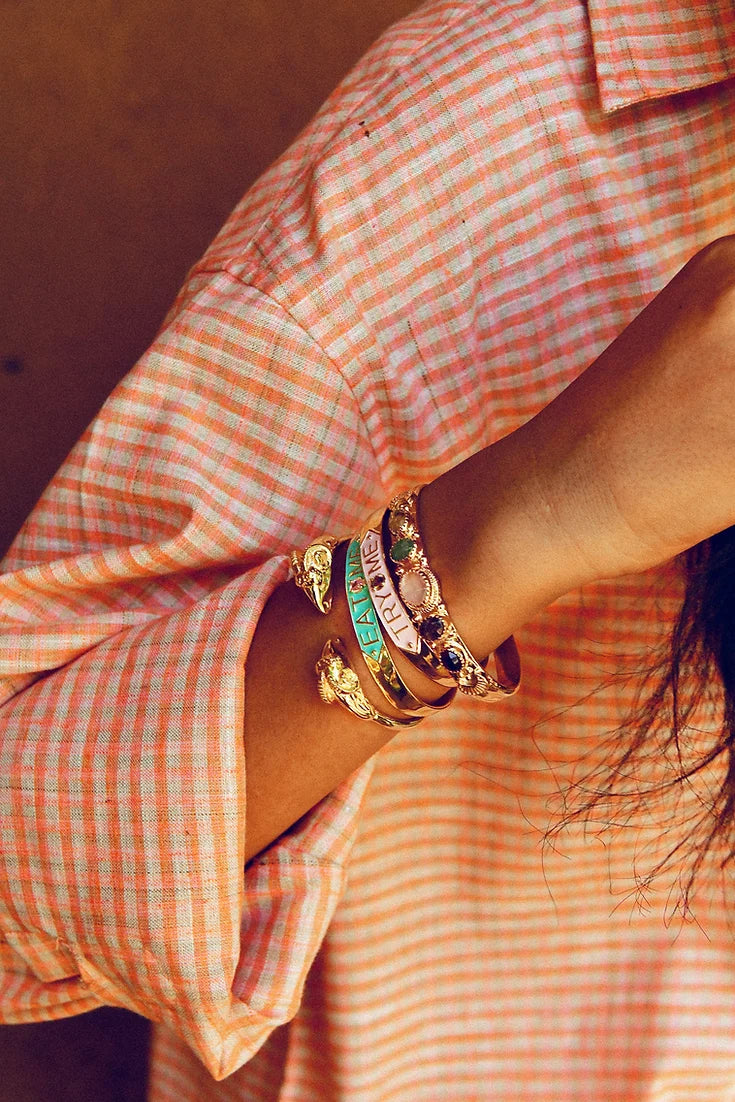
x: 368, y: 633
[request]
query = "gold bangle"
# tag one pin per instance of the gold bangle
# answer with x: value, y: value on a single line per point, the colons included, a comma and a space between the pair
x: 312, y: 571
x: 419, y: 590
x: 336, y: 681
x: 392, y: 612
x: 375, y: 652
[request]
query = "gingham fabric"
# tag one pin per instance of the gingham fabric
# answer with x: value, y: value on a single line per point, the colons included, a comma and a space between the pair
x: 463, y: 228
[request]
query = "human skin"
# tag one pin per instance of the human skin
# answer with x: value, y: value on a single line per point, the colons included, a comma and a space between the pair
x: 632, y: 464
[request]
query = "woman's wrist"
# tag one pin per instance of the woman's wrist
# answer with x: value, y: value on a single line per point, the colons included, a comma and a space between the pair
x: 494, y: 538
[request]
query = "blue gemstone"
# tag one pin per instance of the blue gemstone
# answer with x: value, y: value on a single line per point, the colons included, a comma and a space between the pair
x: 452, y: 660
x: 432, y: 628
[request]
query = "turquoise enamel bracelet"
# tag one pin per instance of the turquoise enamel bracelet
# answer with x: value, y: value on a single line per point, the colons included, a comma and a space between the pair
x: 369, y: 637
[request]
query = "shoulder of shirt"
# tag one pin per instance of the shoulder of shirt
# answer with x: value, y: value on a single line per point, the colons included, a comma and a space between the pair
x: 682, y: 48
x: 409, y: 48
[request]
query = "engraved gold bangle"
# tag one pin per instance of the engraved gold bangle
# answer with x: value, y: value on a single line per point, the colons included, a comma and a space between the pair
x: 375, y: 653
x: 312, y: 571
x: 392, y: 613
x: 419, y: 590
x: 336, y: 681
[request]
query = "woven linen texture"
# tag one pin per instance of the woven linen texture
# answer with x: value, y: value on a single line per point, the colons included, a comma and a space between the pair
x: 463, y: 228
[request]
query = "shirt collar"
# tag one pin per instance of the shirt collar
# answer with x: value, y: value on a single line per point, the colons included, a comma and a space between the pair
x: 650, y: 48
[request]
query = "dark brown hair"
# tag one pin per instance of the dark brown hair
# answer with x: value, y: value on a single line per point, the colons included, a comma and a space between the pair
x: 693, y: 678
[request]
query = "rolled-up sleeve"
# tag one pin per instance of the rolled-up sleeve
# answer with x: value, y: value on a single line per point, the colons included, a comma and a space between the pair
x: 127, y: 607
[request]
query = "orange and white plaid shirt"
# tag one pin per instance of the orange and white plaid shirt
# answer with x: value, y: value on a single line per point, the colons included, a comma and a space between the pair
x: 479, y: 209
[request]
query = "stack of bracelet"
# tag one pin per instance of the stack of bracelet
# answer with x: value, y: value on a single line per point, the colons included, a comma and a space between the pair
x: 393, y: 595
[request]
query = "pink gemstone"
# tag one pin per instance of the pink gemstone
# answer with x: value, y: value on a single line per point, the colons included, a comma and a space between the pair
x: 414, y: 588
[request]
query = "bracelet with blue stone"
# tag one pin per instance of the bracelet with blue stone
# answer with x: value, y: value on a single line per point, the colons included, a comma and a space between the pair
x: 418, y: 588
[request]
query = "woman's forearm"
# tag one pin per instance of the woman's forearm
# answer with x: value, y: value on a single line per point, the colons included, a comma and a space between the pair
x: 631, y: 464
x: 499, y: 560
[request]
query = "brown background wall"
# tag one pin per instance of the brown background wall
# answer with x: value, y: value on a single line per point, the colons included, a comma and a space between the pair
x: 128, y: 130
